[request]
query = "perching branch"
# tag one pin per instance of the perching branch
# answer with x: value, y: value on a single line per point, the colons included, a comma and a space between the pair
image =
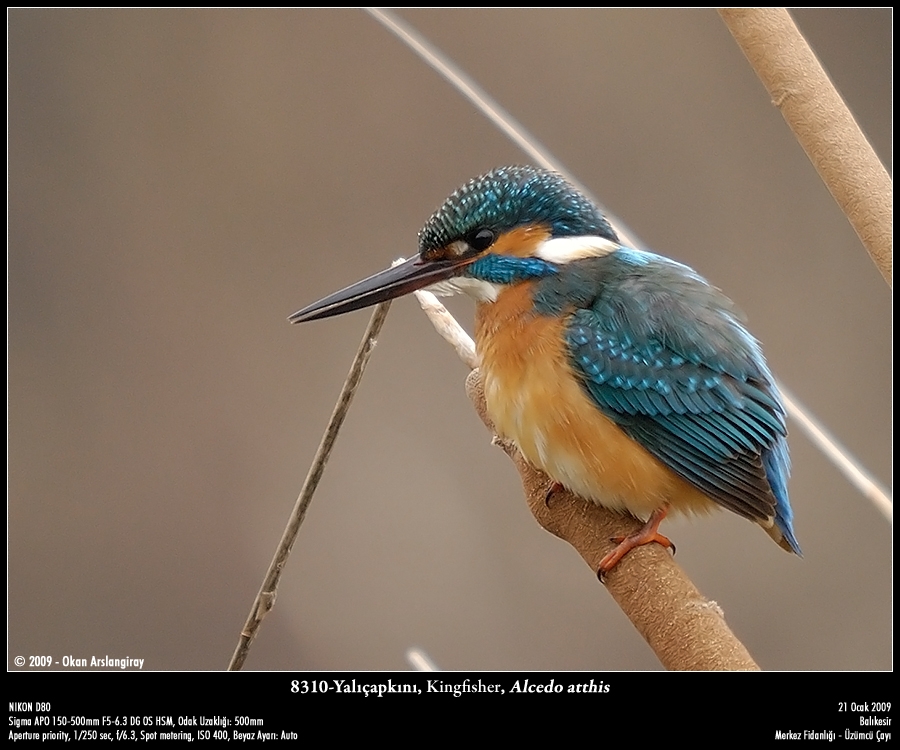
x: 822, y: 123
x: 685, y: 630
x: 265, y: 599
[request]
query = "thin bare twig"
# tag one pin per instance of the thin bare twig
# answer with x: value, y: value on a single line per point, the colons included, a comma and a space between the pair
x: 446, y: 325
x: 488, y: 106
x: 420, y: 661
x: 265, y: 599
x: 841, y: 458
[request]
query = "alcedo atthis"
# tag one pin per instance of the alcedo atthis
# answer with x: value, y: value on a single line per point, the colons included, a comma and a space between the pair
x: 623, y: 375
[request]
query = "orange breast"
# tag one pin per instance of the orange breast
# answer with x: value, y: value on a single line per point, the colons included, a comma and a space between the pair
x: 535, y: 400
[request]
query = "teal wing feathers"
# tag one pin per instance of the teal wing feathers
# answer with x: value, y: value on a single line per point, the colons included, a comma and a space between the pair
x: 664, y: 355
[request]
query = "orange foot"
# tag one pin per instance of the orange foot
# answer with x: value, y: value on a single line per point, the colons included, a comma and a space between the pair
x: 647, y: 534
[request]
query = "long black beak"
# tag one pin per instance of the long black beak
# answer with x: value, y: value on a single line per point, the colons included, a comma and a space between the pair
x: 407, y: 277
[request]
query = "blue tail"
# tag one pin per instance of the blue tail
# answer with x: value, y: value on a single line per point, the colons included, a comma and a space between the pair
x: 777, y: 463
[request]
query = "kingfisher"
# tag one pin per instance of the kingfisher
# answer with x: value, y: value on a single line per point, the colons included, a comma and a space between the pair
x: 625, y: 376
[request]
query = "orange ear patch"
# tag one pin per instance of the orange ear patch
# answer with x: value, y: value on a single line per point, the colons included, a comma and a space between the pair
x: 521, y: 242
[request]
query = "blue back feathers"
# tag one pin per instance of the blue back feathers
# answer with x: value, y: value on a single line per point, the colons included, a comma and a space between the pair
x: 665, y: 356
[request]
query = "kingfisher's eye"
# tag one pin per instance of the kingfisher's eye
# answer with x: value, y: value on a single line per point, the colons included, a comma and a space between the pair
x: 481, y: 239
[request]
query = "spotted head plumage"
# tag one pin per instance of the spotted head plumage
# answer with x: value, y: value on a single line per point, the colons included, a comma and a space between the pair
x: 510, y: 197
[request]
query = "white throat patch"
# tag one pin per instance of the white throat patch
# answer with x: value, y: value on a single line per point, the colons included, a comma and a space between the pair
x: 480, y: 291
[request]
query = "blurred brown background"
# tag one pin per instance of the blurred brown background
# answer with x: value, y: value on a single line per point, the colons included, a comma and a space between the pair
x: 181, y: 181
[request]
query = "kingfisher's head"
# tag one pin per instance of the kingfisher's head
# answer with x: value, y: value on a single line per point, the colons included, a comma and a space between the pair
x: 506, y: 226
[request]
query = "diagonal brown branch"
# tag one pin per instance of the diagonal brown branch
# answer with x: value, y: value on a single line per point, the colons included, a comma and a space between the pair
x: 822, y: 123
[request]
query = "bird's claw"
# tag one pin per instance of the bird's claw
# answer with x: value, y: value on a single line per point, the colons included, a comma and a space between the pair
x: 551, y: 491
x: 624, y: 544
x: 663, y: 540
